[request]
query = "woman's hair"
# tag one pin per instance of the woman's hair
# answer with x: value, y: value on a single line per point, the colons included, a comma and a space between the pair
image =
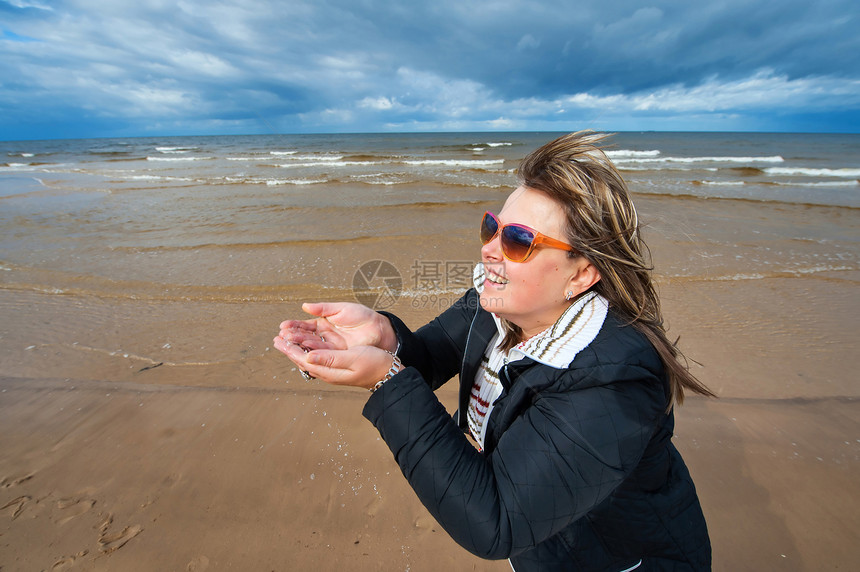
x: 602, y: 225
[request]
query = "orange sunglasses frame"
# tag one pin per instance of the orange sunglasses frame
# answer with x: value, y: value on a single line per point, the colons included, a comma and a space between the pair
x: 539, y: 239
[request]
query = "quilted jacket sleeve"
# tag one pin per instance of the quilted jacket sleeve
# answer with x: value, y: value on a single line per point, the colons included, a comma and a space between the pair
x: 436, y: 349
x: 563, y: 452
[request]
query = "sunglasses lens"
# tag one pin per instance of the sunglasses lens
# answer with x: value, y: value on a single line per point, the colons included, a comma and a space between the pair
x: 516, y: 242
x: 489, y: 228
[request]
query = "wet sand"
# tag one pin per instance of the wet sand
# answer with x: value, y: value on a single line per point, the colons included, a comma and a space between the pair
x: 159, y: 433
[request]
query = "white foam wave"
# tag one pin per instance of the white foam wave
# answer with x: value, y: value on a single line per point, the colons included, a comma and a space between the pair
x: 155, y: 178
x: 688, y: 160
x: 328, y: 158
x: 833, y: 184
x: 626, y: 167
x: 144, y: 178
x: 325, y: 164
x: 850, y: 173
x: 282, y: 153
x: 354, y: 163
x: 500, y: 144
x: 178, y: 158
x: 788, y: 271
x: 455, y: 162
x: 734, y: 277
x: 175, y: 149
x: 276, y: 182
x: 630, y: 154
x: 379, y: 179
x: 724, y: 183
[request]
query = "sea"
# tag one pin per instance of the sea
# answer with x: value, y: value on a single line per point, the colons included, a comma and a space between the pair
x: 142, y: 281
x: 285, y: 217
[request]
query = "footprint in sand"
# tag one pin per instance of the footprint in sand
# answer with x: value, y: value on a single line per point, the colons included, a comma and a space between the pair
x: 106, y: 524
x: 17, y: 505
x: 7, y: 482
x: 67, y: 562
x: 73, y: 507
x: 110, y: 542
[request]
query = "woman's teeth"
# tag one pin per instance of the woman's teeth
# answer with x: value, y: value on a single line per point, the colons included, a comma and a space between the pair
x: 495, y: 279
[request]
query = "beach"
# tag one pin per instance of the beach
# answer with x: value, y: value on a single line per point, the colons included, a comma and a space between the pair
x: 146, y: 423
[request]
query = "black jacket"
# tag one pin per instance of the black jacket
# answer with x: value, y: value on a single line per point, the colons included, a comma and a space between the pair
x: 578, y: 470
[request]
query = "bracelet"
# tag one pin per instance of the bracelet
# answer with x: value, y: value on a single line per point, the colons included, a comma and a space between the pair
x: 396, y: 366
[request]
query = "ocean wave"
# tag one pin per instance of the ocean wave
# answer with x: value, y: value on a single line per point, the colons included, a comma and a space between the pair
x: 746, y: 171
x: 381, y: 178
x: 466, y: 163
x: 244, y: 180
x: 454, y: 162
x: 155, y: 178
x: 849, y: 173
x: 808, y: 200
x: 38, y: 166
x: 107, y: 152
x: 789, y: 272
x: 621, y: 154
x: 312, y: 164
x: 370, y: 158
x: 175, y: 159
x: 742, y: 276
x: 175, y: 149
x: 94, y: 287
x: 670, y: 169
x: 727, y: 159
x: 820, y: 184
x: 833, y: 184
x: 720, y: 183
x: 323, y: 158
x: 276, y: 182
x: 383, y: 182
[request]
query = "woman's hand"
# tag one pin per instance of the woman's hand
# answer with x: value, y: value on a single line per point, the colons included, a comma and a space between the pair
x: 359, y: 366
x: 339, y: 326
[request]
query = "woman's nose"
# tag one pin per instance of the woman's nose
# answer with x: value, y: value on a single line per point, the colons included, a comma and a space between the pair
x: 492, y: 250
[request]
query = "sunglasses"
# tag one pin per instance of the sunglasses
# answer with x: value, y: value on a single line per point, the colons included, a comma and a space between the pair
x: 518, y: 241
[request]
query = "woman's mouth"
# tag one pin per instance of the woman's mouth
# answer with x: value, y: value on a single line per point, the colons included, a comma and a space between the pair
x: 495, y: 278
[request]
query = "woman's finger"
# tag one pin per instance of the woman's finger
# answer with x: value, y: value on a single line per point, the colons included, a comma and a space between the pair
x: 331, y: 359
x: 322, y: 309
x: 359, y: 367
x: 307, y: 325
x: 289, y: 349
x: 314, y: 341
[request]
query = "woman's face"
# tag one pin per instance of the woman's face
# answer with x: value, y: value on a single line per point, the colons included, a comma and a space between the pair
x: 531, y: 294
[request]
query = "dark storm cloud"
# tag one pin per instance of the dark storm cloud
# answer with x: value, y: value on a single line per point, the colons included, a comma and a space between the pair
x: 148, y: 66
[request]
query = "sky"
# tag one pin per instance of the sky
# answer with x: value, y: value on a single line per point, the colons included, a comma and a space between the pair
x: 118, y: 68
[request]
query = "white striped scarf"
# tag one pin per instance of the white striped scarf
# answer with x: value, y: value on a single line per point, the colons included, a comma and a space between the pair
x: 557, y: 346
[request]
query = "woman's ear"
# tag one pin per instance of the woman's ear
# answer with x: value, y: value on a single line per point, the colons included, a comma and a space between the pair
x: 586, y: 275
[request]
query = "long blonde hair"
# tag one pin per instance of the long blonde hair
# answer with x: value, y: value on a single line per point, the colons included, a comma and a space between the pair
x: 602, y: 225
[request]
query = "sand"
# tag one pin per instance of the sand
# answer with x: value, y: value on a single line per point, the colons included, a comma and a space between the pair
x: 120, y: 452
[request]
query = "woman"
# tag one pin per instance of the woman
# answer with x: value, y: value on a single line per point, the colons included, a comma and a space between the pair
x: 568, y: 382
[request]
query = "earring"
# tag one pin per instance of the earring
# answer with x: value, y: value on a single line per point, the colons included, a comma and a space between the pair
x: 569, y: 296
